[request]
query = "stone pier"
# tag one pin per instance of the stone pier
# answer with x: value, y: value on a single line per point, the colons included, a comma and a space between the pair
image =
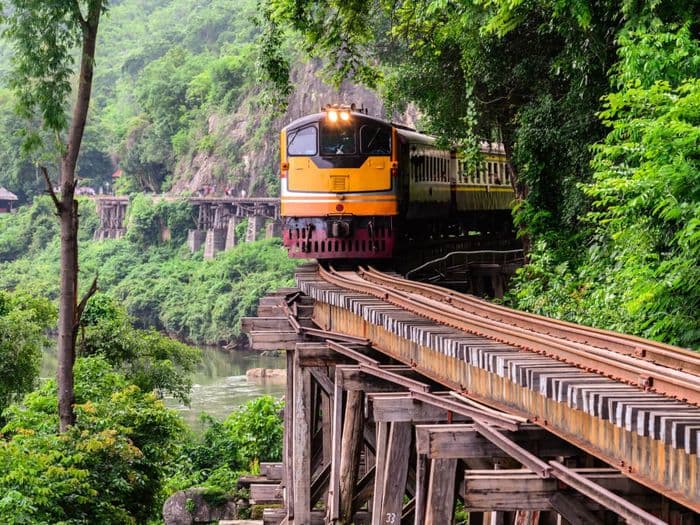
x: 255, y: 225
x: 215, y: 242
x: 195, y: 239
x: 273, y: 230
x: 231, y: 232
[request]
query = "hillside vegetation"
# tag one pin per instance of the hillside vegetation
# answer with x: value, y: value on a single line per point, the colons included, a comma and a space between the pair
x: 160, y: 284
x: 168, y: 76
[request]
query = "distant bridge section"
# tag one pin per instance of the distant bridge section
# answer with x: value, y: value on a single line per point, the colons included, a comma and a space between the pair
x: 111, y: 210
x: 215, y: 220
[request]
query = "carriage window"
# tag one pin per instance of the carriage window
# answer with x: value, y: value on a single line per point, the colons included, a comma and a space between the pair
x: 375, y: 140
x: 338, y: 140
x: 302, y: 141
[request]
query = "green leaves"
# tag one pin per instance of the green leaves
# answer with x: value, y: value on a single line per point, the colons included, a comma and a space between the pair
x: 108, y: 468
x: 24, y: 319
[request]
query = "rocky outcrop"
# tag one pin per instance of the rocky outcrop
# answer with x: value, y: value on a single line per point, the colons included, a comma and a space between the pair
x: 198, y: 505
x: 253, y: 149
x: 266, y: 374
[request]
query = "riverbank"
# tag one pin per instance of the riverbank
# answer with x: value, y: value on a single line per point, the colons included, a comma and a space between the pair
x: 218, y: 386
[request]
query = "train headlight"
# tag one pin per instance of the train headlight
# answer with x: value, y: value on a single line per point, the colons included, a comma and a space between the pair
x: 333, y: 116
x: 344, y: 115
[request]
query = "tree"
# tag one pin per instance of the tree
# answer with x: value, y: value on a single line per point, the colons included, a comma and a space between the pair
x: 44, y: 35
x: 109, y: 467
x: 23, y: 321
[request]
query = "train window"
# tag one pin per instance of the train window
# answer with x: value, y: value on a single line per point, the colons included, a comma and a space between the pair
x: 337, y: 140
x: 375, y: 140
x: 302, y: 141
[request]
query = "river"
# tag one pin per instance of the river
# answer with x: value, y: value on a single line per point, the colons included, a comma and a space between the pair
x: 218, y: 386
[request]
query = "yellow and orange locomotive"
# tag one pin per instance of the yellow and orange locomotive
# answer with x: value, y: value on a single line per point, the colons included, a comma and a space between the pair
x: 356, y: 186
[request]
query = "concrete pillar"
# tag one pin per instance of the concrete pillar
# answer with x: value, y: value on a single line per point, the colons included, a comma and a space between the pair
x: 195, y: 239
x: 273, y: 229
x: 255, y: 224
x: 231, y: 232
x: 215, y: 242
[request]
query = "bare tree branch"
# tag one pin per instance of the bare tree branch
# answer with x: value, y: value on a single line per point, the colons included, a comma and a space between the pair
x: 83, y: 302
x: 49, y: 188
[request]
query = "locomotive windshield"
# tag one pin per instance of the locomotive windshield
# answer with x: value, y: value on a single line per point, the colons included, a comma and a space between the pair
x: 302, y: 141
x: 338, y: 139
x: 375, y: 140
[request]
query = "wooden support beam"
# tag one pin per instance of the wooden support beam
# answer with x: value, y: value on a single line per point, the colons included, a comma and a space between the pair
x: 320, y: 375
x: 364, y: 488
x: 354, y: 379
x: 320, y: 355
x: 320, y: 485
x: 400, y: 407
x: 506, y: 490
x: 302, y: 441
x: 521, y: 489
x: 514, y: 450
x: 588, y: 487
x: 265, y: 494
x: 273, y: 340
x: 264, y: 324
x: 441, y: 492
x: 395, y: 472
x: 272, y: 470
x: 462, y: 441
x: 397, y: 375
x: 573, y: 510
x: 351, y: 445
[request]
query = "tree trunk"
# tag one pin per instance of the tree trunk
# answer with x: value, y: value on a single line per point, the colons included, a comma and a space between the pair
x: 69, y: 311
x: 519, y: 187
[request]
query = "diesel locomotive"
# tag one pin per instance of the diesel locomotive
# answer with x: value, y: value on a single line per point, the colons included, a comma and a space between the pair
x: 355, y: 186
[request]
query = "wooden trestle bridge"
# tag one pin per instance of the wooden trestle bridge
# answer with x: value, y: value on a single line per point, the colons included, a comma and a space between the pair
x: 214, y: 225
x: 406, y: 401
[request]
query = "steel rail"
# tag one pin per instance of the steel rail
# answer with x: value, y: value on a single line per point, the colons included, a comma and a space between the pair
x: 646, y: 374
x: 667, y: 355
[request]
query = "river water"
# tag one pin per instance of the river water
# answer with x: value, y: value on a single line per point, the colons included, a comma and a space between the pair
x: 218, y: 386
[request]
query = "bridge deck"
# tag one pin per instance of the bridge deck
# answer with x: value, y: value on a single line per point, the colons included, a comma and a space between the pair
x: 649, y: 437
x: 371, y: 434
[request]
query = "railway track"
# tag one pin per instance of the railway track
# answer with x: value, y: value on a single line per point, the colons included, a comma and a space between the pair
x: 655, y: 367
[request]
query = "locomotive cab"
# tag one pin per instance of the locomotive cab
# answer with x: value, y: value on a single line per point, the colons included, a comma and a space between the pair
x: 338, y: 187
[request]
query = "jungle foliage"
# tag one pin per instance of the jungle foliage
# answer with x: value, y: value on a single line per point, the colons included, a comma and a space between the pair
x: 249, y: 435
x: 596, y: 103
x: 109, y: 467
x: 24, y: 320
x: 161, y: 285
x: 168, y: 76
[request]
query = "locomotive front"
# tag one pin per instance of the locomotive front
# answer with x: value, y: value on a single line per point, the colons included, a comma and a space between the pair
x: 339, y: 185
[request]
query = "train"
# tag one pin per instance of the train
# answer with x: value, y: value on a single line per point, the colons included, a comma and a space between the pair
x: 354, y: 186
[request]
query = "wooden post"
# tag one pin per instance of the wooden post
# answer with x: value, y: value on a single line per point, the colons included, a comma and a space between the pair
x: 422, y: 473
x: 441, y: 493
x: 302, y: 443
x: 380, y: 465
x: 327, y: 427
x: 334, y: 483
x: 397, y: 458
x: 350, y: 453
x: 289, y: 436
x: 527, y: 517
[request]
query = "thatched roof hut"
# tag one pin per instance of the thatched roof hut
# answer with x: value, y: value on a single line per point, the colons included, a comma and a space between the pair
x: 6, y: 200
